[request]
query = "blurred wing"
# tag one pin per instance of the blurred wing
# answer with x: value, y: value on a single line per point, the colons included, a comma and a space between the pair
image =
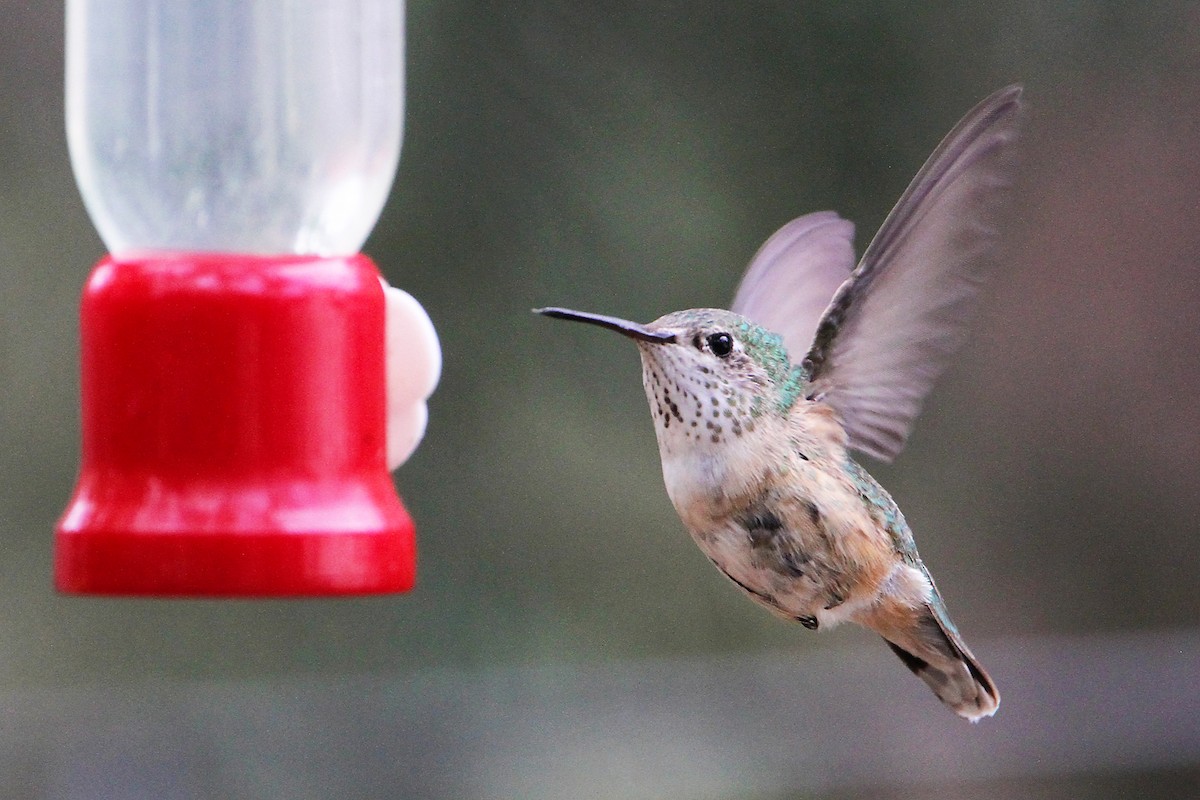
x: 886, y: 335
x: 794, y: 275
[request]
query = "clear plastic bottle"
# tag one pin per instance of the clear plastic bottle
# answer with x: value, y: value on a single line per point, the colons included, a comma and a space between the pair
x: 245, y: 378
x: 244, y: 126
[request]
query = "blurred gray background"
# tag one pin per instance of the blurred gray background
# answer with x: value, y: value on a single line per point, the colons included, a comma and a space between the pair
x: 566, y: 638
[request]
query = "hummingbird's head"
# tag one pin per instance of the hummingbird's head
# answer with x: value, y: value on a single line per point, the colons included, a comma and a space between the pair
x: 710, y: 375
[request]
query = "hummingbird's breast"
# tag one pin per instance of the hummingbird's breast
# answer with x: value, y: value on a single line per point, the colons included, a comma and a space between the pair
x: 775, y: 512
x: 762, y: 487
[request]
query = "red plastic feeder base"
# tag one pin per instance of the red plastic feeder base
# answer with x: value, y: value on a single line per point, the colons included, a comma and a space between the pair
x: 234, y: 432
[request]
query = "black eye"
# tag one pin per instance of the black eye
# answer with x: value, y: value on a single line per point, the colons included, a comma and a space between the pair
x: 720, y: 343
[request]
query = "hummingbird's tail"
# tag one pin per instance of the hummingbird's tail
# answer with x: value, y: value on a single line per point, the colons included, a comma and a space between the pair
x: 929, y: 645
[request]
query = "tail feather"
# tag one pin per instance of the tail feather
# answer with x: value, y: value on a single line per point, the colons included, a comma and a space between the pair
x: 931, y: 647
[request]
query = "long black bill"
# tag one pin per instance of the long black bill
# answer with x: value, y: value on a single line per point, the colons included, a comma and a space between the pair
x: 630, y: 329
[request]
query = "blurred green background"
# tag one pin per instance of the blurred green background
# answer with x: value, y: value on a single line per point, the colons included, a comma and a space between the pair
x: 629, y: 158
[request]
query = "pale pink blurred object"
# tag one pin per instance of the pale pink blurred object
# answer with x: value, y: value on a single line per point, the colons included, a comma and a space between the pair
x: 414, y: 364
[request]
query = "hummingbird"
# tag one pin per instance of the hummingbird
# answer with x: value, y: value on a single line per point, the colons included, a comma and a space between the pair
x: 756, y: 446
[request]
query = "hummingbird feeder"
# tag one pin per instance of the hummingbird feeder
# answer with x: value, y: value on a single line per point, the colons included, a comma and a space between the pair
x: 234, y: 155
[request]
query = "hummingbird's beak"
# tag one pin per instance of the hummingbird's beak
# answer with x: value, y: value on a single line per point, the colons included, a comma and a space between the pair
x: 631, y: 329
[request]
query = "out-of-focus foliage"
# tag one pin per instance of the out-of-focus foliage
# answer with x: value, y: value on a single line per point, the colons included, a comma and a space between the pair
x: 629, y: 158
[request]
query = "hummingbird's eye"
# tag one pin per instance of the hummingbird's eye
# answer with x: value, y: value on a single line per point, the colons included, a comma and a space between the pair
x: 720, y: 343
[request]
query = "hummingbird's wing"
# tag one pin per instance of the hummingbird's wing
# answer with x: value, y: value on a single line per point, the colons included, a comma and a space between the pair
x: 793, y: 276
x: 887, y: 333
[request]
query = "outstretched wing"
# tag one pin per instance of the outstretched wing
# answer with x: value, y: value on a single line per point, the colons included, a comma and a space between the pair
x: 887, y: 333
x: 794, y: 275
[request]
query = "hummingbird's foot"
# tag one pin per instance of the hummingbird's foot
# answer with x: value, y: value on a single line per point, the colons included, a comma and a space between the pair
x: 808, y: 622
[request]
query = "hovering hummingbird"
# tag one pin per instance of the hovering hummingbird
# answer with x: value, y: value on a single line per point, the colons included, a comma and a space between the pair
x: 755, y: 447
